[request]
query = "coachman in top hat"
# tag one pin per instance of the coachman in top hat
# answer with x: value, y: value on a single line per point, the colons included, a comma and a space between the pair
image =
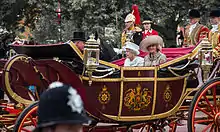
x: 79, y: 40
x: 214, y: 34
x: 194, y: 32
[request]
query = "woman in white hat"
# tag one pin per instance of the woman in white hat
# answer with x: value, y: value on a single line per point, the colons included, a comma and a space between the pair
x: 132, y: 50
x: 153, y: 44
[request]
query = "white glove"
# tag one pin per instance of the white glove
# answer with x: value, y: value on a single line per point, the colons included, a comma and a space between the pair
x: 117, y: 50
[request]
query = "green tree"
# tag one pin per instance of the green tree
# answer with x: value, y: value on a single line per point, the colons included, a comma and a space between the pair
x: 90, y: 15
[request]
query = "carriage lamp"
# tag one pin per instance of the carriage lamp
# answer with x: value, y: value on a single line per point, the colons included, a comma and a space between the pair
x: 91, y: 56
x: 205, y: 57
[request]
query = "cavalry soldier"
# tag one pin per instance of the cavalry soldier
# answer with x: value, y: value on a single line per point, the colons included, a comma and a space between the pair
x: 131, y: 32
x: 214, y: 34
x: 194, y: 32
x: 147, y: 28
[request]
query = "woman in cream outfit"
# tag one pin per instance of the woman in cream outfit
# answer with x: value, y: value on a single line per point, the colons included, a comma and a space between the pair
x: 153, y: 44
x: 132, y: 50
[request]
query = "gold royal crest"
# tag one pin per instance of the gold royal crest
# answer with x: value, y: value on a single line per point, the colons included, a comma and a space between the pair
x: 137, y: 99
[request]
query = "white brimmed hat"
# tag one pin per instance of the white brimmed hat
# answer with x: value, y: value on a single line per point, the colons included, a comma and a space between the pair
x: 132, y: 46
x: 130, y: 18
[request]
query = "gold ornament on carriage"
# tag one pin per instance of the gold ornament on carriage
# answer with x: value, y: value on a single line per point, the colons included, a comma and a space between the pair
x: 137, y: 99
x: 104, y: 96
x: 167, y: 95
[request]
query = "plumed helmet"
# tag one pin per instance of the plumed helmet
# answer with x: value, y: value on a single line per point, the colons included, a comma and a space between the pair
x: 130, y: 18
x: 194, y: 13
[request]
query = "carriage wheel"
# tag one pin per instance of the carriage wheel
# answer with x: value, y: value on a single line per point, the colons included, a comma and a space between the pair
x: 27, y: 120
x: 204, y: 112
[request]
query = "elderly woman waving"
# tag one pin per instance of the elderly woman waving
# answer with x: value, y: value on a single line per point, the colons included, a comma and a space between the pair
x: 132, y: 50
x: 153, y: 44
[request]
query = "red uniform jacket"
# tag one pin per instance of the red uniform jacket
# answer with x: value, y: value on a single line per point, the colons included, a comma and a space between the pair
x: 197, y: 34
x: 214, y: 38
x: 146, y: 33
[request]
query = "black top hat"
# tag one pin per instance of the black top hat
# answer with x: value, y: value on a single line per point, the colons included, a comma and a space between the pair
x: 60, y: 104
x: 147, y: 19
x: 79, y: 36
x: 194, y: 13
x: 215, y: 13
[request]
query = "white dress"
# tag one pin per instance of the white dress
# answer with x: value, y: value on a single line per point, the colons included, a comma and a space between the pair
x: 138, y: 61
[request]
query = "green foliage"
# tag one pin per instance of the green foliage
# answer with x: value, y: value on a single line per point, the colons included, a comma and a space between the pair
x: 95, y: 15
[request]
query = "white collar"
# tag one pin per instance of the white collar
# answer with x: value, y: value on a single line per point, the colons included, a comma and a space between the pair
x: 192, y: 27
x: 214, y: 28
x: 148, y: 31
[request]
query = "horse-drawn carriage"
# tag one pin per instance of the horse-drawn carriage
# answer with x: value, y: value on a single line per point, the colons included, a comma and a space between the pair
x: 123, y: 97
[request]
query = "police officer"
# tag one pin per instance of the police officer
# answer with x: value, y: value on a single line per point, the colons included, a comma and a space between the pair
x: 61, y: 110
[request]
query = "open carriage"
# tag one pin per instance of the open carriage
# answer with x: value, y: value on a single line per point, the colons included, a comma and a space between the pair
x: 124, y: 97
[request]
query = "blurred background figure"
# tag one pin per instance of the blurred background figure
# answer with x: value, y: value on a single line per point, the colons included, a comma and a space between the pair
x: 179, y: 36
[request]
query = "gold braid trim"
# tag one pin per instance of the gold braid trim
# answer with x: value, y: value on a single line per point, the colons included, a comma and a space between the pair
x: 214, y: 39
x: 124, y: 36
x: 195, y: 34
x: 123, y: 39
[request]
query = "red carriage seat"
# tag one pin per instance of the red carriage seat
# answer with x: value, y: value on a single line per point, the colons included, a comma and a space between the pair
x: 171, y: 53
